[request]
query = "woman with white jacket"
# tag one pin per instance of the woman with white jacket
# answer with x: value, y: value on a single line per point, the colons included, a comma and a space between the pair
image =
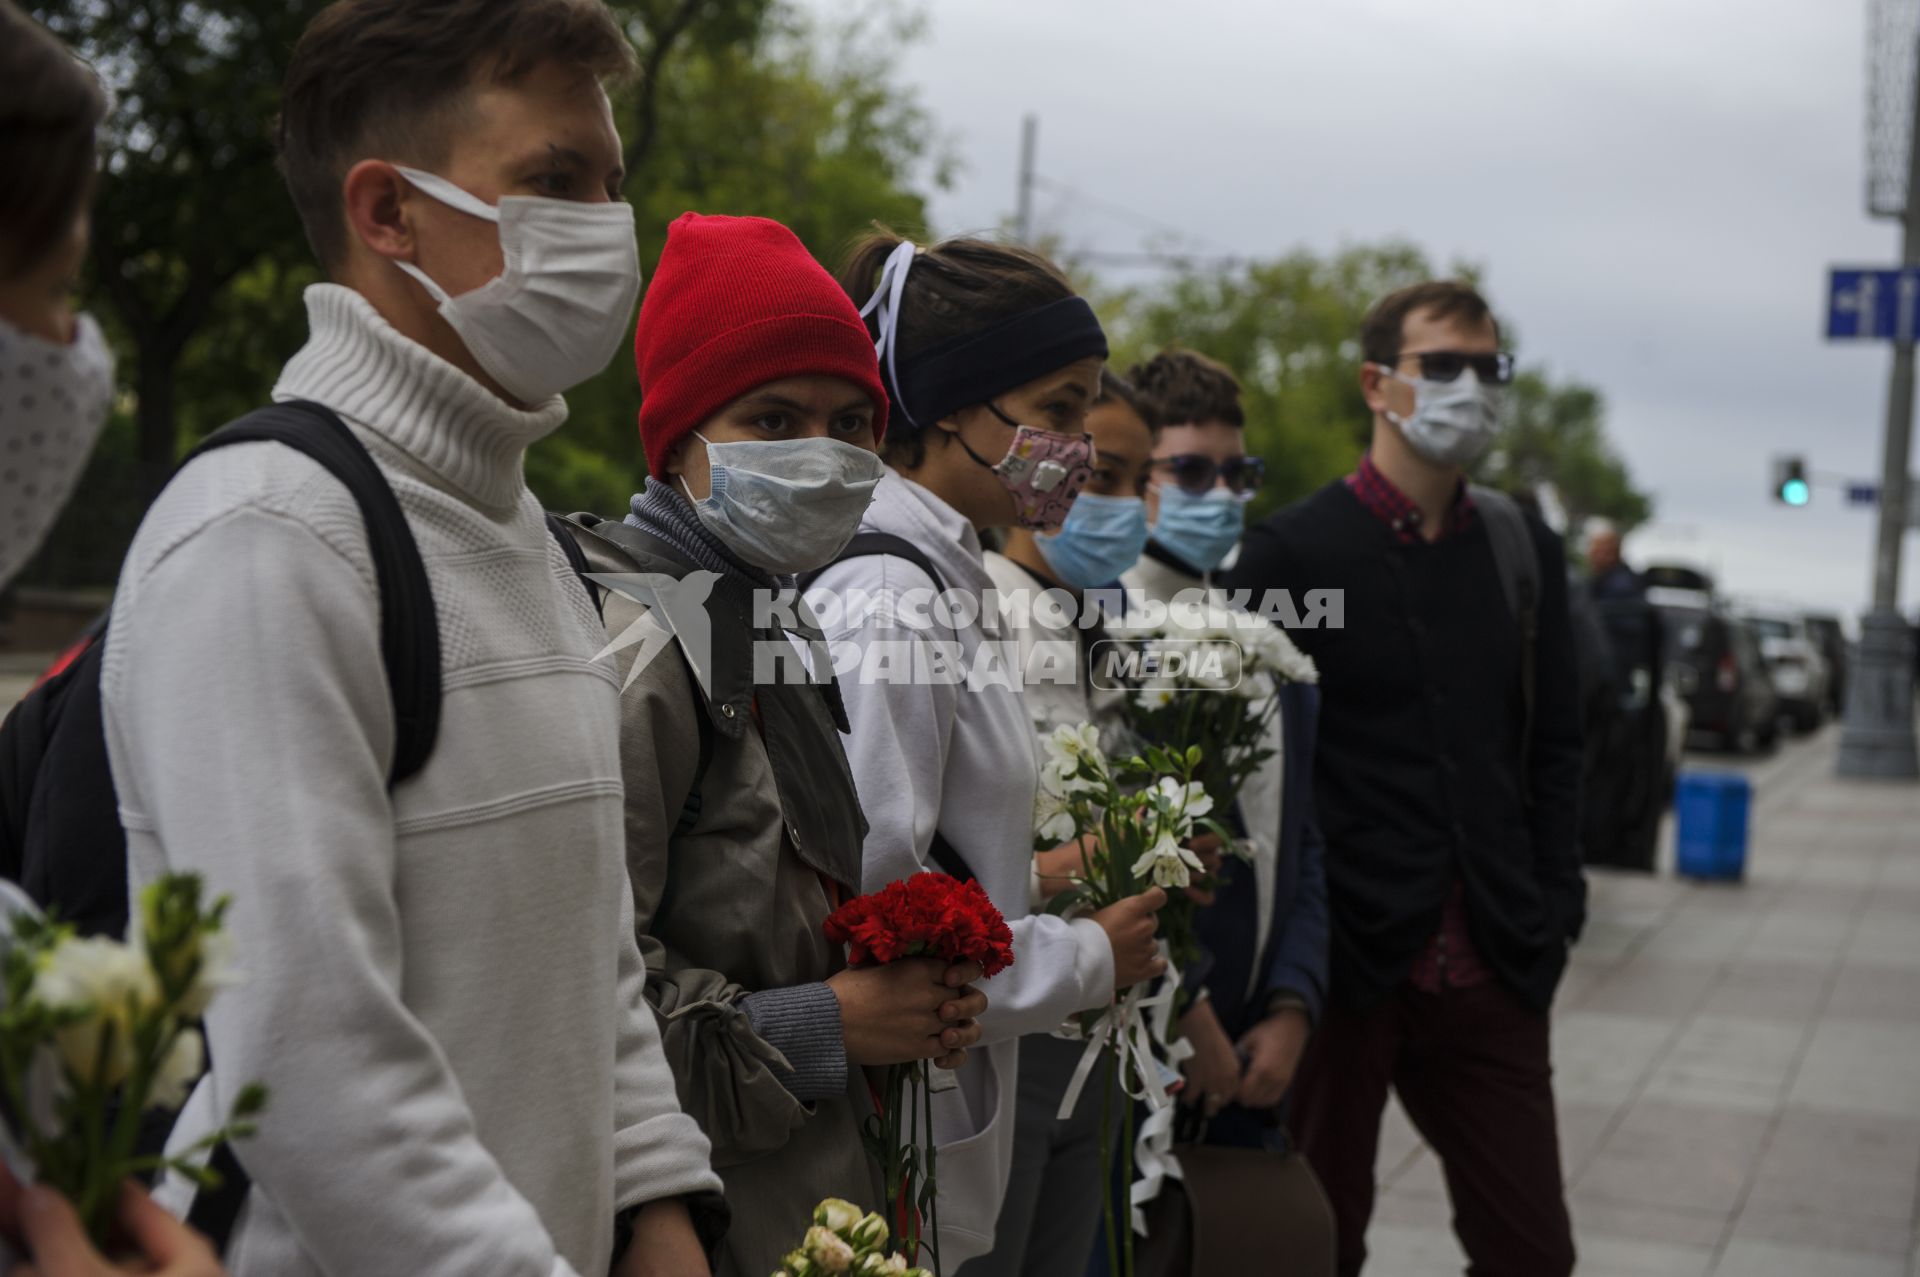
x: 991, y: 362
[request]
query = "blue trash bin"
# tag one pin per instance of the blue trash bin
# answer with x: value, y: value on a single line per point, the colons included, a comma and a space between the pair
x: 1710, y: 816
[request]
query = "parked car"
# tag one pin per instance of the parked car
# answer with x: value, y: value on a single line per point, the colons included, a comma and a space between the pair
x: 1794, y: 663
x: 1831, y: 638
x: 1717, y: 667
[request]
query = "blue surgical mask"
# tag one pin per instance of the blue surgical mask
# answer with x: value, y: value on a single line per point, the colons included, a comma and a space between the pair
x: 1102, y: 538
x: 1199, y: 531
x: 786, y: 505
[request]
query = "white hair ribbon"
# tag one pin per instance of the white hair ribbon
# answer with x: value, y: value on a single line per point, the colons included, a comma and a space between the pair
x: 886, y: 300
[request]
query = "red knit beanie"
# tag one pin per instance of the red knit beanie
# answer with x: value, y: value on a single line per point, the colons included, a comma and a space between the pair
x: 735, y: 303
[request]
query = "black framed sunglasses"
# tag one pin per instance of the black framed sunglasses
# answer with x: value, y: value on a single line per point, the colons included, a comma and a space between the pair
x: 1447, y: 365
x: 1196, y: 474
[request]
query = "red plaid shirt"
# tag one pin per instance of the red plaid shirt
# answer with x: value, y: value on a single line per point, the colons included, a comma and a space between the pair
x: 1449, y: 960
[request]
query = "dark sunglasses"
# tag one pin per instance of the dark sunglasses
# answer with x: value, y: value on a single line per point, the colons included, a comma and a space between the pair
x: 1447, y: 365
x: 1196, y: 474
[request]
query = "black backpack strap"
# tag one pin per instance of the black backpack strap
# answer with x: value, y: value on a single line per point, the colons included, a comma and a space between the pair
x: 409, y: 625
x: 1519, y: 566
x: 576, y: 559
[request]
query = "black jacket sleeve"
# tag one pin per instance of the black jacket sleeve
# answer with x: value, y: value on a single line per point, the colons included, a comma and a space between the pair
x: 1553, y: 765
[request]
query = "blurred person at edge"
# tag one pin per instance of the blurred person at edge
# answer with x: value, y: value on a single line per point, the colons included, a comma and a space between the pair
x: 56, y: 385
x: 1256, y: 997
x: 444, y: 994
x: 1608, y: 576
x: 56, y: 373
x: 990, y: 361
x: 1453, y: 857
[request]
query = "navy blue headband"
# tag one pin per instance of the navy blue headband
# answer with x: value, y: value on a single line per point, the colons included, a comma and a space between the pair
x: 974, y: 368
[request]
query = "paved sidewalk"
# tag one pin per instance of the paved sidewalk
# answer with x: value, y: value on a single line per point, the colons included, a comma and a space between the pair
x: 1738, y: 1067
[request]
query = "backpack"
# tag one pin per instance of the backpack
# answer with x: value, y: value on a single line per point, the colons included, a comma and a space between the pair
x: 1518, y: 563
x: 864, y: 545
x: 60, y: 834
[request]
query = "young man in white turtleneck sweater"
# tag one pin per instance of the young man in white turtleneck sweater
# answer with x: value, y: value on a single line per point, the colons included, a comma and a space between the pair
x: 443, y: 991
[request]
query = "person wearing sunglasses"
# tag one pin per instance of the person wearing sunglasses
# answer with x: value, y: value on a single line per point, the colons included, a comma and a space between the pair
x: 1447, y: 781
x: 1202, y: 476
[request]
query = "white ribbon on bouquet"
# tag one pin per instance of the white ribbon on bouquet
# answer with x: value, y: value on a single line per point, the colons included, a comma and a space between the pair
x: 1133, y: 1027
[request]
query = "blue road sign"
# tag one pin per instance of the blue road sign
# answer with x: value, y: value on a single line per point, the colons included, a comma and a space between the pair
x: 1873, y: 305
x: 1863, y: 494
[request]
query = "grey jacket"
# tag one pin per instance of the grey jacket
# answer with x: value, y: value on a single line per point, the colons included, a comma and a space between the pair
x: 729, y: 894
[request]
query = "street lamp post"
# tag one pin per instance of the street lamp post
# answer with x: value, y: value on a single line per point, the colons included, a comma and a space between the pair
x: 1877, y: 738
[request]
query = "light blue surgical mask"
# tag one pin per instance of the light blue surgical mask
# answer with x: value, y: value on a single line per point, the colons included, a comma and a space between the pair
x: 1199, y: 531
x: 1102, y: 538
x: 786, y: 505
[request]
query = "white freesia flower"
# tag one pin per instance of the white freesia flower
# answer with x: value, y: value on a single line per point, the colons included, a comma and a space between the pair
x: 878, y: 1265
x: 1169, y: 864
x: 826, y: 1248
x: 114, y: 985
x: 1190, y: 799
x: 185, y: 1061
x: 216, y: 972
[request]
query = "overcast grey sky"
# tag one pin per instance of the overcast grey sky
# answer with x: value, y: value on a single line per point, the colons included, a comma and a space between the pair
x: 1655, y: 188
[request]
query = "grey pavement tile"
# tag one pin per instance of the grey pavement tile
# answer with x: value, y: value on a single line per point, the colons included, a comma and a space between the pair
x: 1395, y: 1250
x: 1683, y: 1157
x: 1707, y: 937
x: 1652, y: 985
x: 1901, y: 872
x: 1399, y: 1143
x: 1407, y: 1208
x: 1848, y: 867
x: 1608, y: 1256
x: 1783, y: 990
x: 1866, y: 992
x: 1421, y: 1176
x: 1862, y: 1065
x: 1809, y: 937
x: 1886, y: 937
x: 1729, y: 1061
x: 1598, y: 1217
x: 1752, y: 1258
x: 1583, y: 1128
x: 1826, y: 1230
x: 1853, y: 1166
x: 1601, y: 1058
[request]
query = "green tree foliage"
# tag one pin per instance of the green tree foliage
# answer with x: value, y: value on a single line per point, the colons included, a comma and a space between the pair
x: 743, y: 106
x: 1555, y: 436
x: 1290, y: 330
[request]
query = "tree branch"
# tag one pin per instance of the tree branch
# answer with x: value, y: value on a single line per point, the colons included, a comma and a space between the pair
x: 647, y: 108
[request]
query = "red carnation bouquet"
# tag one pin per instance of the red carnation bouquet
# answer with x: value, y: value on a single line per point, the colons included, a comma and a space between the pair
x: 929, y: 915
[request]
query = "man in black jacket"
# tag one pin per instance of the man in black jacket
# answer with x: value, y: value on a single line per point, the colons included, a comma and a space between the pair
x: 1448, y: 796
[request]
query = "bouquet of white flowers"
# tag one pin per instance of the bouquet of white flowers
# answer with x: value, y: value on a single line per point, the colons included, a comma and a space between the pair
x: 1133, y: 818
x: 1241, y: 659
x: 95, y: 1032
x: 843, y: 1239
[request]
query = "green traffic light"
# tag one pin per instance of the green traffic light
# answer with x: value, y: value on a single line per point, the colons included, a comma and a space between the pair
x: 1795, y: 492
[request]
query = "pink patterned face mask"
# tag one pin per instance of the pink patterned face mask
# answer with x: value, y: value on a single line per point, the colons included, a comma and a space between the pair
x: 1043, y: 469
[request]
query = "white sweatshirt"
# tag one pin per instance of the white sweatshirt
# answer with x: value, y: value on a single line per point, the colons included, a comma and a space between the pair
x: 960, y: 760
x: 443, y: 992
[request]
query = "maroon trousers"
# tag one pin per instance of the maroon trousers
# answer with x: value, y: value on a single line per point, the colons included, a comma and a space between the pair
x: 1471, y: 1067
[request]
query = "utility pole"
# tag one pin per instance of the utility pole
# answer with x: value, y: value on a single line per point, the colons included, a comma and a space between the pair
x: 1029, y: 143
x: 1877, y: 737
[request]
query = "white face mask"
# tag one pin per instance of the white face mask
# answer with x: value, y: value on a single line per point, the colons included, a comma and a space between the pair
x: 1453, y: 422
x: 53, y: 401
x: 563, y: 303
x: 786, y: 505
